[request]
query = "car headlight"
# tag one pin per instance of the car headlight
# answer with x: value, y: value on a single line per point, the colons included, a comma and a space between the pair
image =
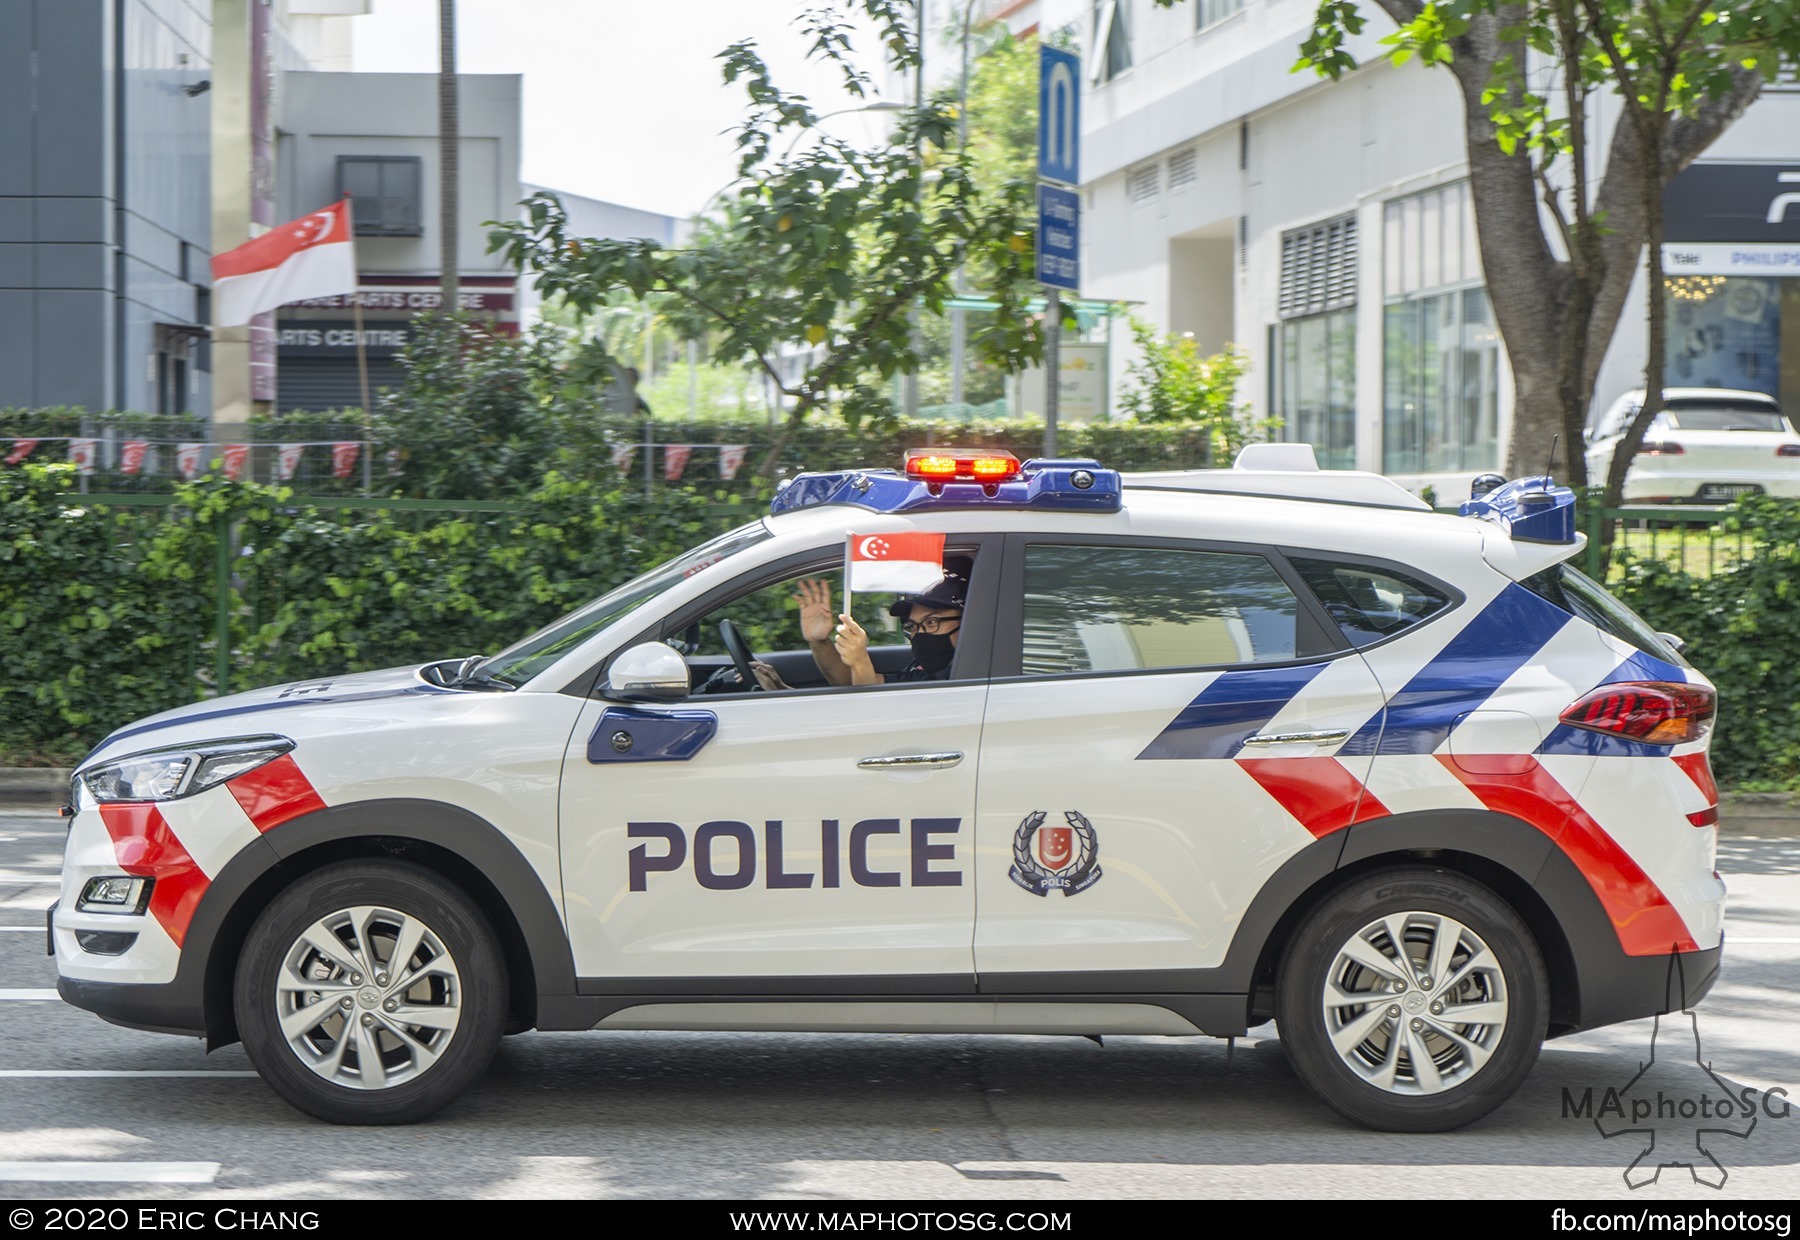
x: 179, y: 771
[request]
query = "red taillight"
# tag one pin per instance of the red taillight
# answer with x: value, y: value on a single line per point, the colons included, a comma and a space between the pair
x: 1655, y: 712
x: 948, y: 466
x: 1708, y: 817
x: 1788, y: 449
x: 1664, y: 448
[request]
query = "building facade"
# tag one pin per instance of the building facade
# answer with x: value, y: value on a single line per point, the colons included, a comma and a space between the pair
x: 374, y: 136
x: 104, y: 229
x: 1326, y: 229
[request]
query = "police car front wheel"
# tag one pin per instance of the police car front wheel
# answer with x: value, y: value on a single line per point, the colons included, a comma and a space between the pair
x: 1413, y: 1000
x: 371, y: 992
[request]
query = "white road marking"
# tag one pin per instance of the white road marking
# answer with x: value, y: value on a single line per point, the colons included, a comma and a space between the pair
x: 26, y: 904
x: 30, y: 996
x: 1733, y: 940
x: 14, y: 1074
x: 14, y: 876
x: 21, y: 929
x: 109, y: 1172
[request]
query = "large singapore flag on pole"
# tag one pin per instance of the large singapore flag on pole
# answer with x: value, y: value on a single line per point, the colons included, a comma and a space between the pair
x: 312, y: 256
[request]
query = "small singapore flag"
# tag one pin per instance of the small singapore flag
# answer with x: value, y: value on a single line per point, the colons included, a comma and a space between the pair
x: 902, y: 563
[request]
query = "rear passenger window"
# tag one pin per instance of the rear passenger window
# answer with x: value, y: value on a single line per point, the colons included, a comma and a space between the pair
x: 1370, y: 604
x: 1579, y: 594
x: 1107, y: 609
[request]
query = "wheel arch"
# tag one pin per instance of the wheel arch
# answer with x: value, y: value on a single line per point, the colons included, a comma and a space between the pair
x: 460, y: 846
x: 1520, y: 863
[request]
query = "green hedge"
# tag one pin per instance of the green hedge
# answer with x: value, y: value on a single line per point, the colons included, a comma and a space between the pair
x: 1742, y: 628
x: 108, y: 613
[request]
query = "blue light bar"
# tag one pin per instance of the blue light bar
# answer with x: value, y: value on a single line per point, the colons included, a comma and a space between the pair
x: 1078, y: 485
x: 1528, y: 509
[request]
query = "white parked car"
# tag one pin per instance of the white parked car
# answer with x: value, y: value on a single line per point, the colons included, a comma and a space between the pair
x: 1198, y: 750
x: 1707, y: 446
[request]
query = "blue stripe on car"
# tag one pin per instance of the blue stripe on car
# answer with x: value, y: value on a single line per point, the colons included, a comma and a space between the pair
x: 1466, y: 673
x: 1229, y: 711
x: 255, y: 708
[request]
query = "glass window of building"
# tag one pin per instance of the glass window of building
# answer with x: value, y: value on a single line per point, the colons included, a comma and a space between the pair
x: 1730, y: 332
x: 1112, y: 39
x: 1211, y: 12
x: 1313, y: 375
x: 1440, y: 347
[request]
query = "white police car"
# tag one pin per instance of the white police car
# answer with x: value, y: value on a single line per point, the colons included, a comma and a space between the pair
x: 1215, y: 747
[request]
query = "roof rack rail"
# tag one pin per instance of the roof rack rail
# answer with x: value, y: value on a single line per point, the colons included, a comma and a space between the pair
x: 1284, y: 471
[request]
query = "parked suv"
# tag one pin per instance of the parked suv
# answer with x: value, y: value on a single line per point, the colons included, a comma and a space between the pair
x: 1707, y: 446
x: 1212, y: 748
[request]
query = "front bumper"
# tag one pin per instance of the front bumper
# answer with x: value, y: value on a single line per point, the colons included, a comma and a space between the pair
x: 171, y: 1007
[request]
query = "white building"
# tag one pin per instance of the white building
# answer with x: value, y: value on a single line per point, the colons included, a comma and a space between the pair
x: 1326, y: 229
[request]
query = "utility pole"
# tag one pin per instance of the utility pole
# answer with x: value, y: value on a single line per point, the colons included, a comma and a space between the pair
x: 449, y: 175
x: 959, y: 324
x: 909, y: 382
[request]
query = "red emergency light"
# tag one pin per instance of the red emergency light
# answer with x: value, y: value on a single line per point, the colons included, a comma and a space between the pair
x: 958, y: 465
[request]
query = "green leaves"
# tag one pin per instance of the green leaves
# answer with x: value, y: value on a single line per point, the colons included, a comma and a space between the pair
x: 822, y: 242
x: 1734, y: 621
x: 1173, y: 383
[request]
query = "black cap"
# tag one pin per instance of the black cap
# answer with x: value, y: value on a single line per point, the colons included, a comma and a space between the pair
x: 950, y: 592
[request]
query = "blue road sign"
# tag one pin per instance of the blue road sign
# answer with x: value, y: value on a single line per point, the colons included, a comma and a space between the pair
x: 1059, y: 237
x: 1059, y: 115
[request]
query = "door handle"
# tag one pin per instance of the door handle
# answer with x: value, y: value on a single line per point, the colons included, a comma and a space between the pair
x: 911, y: 762
x: 1298, y: 738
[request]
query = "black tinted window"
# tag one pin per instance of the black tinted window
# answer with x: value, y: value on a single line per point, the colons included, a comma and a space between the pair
x: 1580, y: 595
x: 1368, y: 603
x: 1101, y: 609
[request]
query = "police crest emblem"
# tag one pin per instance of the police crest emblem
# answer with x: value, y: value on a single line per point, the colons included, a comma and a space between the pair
x: 1061, y: 858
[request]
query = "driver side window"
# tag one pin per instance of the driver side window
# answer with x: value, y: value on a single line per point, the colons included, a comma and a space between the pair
x: 787, y: 627
x: 773, y: 623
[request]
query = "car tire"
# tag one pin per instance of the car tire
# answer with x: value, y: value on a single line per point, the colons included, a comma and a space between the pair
x: 1413, y: 1056
x: 336, y: 1028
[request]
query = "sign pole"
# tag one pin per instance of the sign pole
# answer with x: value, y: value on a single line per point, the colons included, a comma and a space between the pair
x: 1059, y: 211
x: 1052, y: 366
x: 362, y: 354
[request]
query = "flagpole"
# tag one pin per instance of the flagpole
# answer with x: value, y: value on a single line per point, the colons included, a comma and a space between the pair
x: 847, y: 574
x: 362, y: 350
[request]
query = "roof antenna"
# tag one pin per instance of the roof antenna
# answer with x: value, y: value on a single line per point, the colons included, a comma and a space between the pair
x: 1554, y: 440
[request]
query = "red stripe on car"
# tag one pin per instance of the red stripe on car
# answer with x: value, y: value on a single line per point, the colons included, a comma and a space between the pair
x: 1700, y: 771
x: 147, y: 848
x: 1646, y: 923
x: 275, y: 792
x: 1319, y: 792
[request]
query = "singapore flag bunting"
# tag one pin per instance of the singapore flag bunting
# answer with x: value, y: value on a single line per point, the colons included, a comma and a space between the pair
x: 312, y: 256
x: 902, y: 563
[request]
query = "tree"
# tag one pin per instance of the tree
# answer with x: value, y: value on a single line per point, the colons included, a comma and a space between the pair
x: 1172, y: 382
x: 1558, y: 277
x: 821, y: 247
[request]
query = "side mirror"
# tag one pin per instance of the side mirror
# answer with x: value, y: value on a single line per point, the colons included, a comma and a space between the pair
x: 1675, y: 643
x: 650, y: 672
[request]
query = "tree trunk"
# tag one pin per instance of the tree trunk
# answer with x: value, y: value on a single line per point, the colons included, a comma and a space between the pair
x: 449, y: 174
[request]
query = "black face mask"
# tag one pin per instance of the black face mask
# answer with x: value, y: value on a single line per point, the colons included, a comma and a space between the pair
x: 933, y: 650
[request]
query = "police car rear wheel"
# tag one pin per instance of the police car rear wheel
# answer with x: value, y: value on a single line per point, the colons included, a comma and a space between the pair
x: 1413, y: 1000
x: 371, y: 992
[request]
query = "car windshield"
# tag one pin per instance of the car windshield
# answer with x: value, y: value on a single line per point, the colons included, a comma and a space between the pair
x: 524, y: 660
x: 1723, y: 417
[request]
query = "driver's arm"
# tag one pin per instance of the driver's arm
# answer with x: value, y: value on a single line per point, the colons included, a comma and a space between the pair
x: 816, y: 624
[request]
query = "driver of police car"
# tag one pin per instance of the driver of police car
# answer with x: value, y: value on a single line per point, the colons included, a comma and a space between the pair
x: 931, y: 621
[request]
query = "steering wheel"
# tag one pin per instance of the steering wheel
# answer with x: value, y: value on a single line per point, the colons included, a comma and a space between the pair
x: 740, y: 654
